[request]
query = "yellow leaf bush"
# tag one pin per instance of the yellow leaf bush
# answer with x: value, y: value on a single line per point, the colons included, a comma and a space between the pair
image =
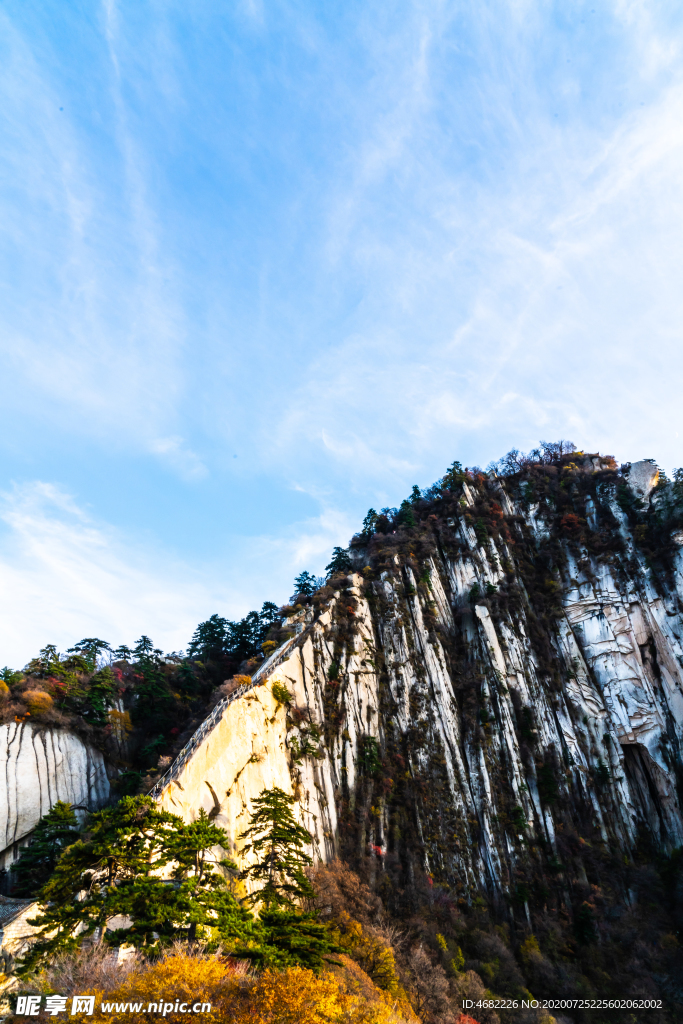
x: 37, y: 701
x: 178, y: 976
x: 372, y: 953
x: 121, y: 724
x: 292, y: 996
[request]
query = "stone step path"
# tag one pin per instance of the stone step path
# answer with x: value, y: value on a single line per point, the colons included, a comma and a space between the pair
x: 209, y: 723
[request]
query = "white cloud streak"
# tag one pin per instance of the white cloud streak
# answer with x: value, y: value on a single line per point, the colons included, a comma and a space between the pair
x: 65, y: 575
x: 174, y: 451
x: 348, y: 245
x: 101, y: 335
x: 524, y: 309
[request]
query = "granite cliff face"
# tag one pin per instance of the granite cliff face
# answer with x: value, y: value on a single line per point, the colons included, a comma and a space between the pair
x: 495, y: 699
x: 38, y: 767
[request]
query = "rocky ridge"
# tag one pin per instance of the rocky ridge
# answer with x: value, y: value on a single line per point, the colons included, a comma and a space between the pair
x: 437, y: 725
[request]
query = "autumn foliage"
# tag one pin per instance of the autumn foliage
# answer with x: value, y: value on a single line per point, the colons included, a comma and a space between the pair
x: 292, y: 996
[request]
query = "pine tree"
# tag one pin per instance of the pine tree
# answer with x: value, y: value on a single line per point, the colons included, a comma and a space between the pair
x: 153, y: 708
x: 114, y: 870
x: 144, y: 648
x: 209, y: 639
x: 49, y: 656
x: 243, y: 639
x: 305, y: 583
x: 406, y: 515
x: 340, y: 563
x: 286, y: 938
x: 121, y: 843
x: 54, y: 832
x: 454, y: 476
x: 157, y: 908
x: 370, y: 522
x: 277, y: 840
x: 190, y: 847
x: 269, y: 614
x: 100, y: 696
x: 90, y: 649
x: 243, y: 636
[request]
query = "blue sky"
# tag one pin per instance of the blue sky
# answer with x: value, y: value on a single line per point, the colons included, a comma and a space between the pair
x: 264, y: 265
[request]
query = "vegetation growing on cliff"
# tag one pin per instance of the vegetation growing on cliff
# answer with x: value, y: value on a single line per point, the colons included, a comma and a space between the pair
x: 587, y: 930
x: 227, y: 993
x: 136, y: 864
x: 55, y: 831
x: 136, y: 704
x: 278, y: 844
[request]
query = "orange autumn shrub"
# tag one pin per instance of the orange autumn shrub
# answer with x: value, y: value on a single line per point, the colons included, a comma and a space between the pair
x: 359, y: 983
x: 298, y: 996
x: 178, y: 976
x: 292, y: 996
x: 37, y: 701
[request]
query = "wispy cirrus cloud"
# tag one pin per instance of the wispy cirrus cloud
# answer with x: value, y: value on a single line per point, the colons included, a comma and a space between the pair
x: 65, y: 574
x: 500, y: 307
x: 174, y: 451
x: 266, y: 265
x: 91, y: 322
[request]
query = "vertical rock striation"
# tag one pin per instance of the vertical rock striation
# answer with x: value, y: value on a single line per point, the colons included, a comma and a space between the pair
x: 495, y: 698
x: 38, y: 767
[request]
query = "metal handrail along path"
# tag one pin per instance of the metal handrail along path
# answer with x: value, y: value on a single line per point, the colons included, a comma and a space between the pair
x: 211, y: 720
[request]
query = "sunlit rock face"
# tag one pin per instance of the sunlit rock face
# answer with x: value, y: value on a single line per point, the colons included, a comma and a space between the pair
x: 496, y: 691
x: 642, y: 478
x: 38, y: 767
x: 245, y: 753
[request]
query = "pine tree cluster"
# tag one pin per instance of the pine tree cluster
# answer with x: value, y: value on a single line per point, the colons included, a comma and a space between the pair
x: 145, y: 866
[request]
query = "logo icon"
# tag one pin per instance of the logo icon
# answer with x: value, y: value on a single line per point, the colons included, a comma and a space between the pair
x: 82, y: 1004
x: 28, y: 1006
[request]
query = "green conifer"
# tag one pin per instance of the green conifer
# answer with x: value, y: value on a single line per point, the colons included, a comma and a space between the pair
x: 340, y: 562
x: 277, y: 840
x: 209, y: 639
x: 89, y: 649
x: 288, y: 938
x: 54, y: 832
x: 284, y: 935
x: 121, y: 843
x: 370, y: 522
x: 406, y: 515
x: 305, y: 583
x: 190, y: 846
x: 114, y: 871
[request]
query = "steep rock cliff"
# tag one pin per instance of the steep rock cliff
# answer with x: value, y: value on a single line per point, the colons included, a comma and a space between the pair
x: 495, y: 700
x: 38, y: 767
